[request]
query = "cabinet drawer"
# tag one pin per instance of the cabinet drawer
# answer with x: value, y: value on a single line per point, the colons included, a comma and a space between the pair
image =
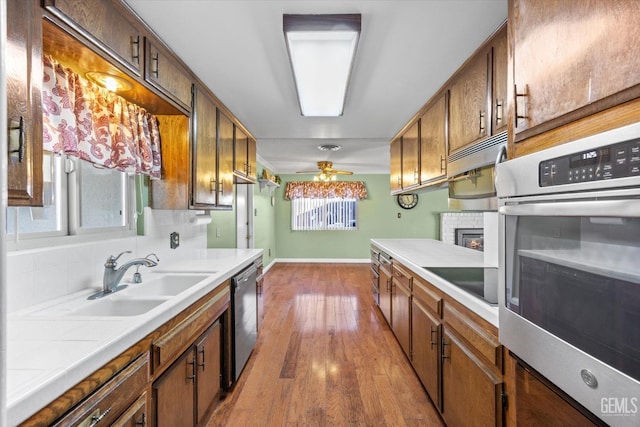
x: 168, y: 346
x: 163, y: 71
x: 113, y: 398
x: 484, y: 341
x: 427, y: 296
x: 402, y: 276
x: 114, y: 28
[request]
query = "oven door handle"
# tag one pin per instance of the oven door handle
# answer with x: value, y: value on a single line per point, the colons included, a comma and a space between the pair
x: 627, y: 208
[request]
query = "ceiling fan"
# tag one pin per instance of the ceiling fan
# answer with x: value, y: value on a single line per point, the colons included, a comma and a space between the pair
x: 326, y: 172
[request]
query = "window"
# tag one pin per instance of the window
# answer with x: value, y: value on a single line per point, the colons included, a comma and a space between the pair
x: 331, y: 213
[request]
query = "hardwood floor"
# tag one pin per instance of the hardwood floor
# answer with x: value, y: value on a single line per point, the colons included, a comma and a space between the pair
x: 325, y: 357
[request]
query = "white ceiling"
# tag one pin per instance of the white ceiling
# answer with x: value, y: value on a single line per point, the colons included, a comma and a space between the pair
x: 407, y: 50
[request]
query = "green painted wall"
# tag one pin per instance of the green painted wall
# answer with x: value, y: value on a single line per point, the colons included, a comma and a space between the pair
x: 224, y: 222
x: 378, y: 218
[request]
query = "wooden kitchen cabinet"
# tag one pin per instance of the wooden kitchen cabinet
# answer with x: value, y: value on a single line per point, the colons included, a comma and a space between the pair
x: 385, y: 289
x: 136, y: 415
x: 24, y: 112
x: 244, y: 167
x: 185, y: 392
x: 401, y: 307
x: 410, y: 157
x: 500, y: 65
x: 471, y: 390
x: 396, y: 165
x: 113, y: 28
x: 433, y: 142
x: 571, y: 60
x: 225, y: 162
x: 165, y: 72
x: 426, y: 337
x: 204, y: 164
x: 469, y: 119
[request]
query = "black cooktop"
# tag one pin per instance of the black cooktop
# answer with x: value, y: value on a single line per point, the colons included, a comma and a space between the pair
x: 478, y: 281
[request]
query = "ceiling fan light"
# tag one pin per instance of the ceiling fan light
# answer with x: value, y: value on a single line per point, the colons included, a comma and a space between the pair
x: 321, y: 51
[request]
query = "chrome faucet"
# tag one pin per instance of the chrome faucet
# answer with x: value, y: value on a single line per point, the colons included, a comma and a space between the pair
x: 112, y: 276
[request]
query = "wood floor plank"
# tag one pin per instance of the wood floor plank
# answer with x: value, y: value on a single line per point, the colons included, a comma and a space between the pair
x: 325, y: 357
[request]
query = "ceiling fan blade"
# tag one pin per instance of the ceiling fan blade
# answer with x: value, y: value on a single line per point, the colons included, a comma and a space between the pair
x: 337, y: 172
x: 313, y: 171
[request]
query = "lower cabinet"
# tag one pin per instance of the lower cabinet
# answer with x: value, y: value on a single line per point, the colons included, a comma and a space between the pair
x: 186, y: 391
x: 385, y: 291
x: 427, y: 330
x: 401, y: 308
x: 136, y: 415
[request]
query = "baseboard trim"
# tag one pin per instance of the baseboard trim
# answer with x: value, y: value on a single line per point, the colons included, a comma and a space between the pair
x: 324, y: 260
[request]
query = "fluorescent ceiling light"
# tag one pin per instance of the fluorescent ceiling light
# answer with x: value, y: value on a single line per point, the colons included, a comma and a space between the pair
x: 321, y: 51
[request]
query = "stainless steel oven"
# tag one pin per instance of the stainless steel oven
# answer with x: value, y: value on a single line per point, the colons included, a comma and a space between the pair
x: 570, y: 269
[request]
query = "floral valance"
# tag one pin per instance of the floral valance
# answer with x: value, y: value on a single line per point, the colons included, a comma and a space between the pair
x: 85, y: 120
x: 323, y: 190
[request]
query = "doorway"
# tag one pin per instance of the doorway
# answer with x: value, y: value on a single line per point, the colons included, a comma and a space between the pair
x: 244, y: 216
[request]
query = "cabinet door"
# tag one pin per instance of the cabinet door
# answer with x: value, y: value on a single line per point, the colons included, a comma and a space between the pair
x: 240, y: 166
x: 251, y: 159
x: 385, y: 294
x: 165, y: 73
x: 260, y: 301
x: 425, y: 341
x: 396, y: 165
x: 499, y: 79
x: 204, y: 177
x: 569, y: 55
x: 209, y: 351
x: 116, y: 29
x: 433, y: 141
x: 225, y: 172
x: 468, y: 104
x: 410, y: 156
x: 174, y: 393
x: 401, y: 315
x: 24, y: 86
x: 471, y: 390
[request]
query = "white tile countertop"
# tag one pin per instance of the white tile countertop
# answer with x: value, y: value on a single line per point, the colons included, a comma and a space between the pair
x: 416, y: 254
x: 48, y: 353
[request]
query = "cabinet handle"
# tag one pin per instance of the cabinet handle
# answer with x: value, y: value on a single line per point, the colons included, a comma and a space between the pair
x: 143, y: 420
x: 482, y: 125
x: 443, y: 164
x: 415, y: 176
x: 201, y: 352
x: 212, y: 185
x: 444, y: 350
x: 97, y: 418
x: 192, y: 377
x: 221, y: 191
x: 16, y: 142
x: 155, y: 64
x: 259, y: 289
x: 499, y: 110
x: 434, y: 331
x: 519, y: 95
x: 135, y: 48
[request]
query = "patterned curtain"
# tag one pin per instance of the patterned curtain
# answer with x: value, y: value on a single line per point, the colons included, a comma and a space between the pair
x: 323, y: 190
x: 85, y: 120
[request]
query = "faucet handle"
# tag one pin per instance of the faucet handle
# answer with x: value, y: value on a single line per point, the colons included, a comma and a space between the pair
x: 111, y: 260
x: 153, y: 255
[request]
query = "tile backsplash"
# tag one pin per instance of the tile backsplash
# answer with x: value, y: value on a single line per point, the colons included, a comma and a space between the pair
x: 449, y: 221
x: 38, y: 275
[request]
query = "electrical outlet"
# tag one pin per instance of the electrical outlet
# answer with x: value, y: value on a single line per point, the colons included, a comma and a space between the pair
x: 217, y: 231
x: 269, y: 251
x: 174, y: 240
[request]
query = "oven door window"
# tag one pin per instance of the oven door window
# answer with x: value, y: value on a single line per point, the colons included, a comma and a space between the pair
x: 579, y: 279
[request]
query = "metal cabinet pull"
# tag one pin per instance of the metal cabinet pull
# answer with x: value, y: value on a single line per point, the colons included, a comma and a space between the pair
x: 212, y: 185
x: 135, y: 49
x: 155, y: 59
x: 221, y: 190
x: 434, y: 331
x: 482, y: 120
x: 201, y: 351
x: 415, y: 176
x: 519, y: 95
x: 96, y: 419
x: 444, y: 350
x: 499, y: 110
x: 192, y: 377
x: 143, y: 420
x: 16, y: 142
x: 443, y: 164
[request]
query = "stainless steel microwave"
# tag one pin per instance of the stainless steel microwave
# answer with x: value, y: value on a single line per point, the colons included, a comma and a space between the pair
x: 570, y: 269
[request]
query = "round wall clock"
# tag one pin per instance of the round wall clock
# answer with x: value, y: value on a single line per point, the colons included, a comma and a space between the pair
x: 407, y: 201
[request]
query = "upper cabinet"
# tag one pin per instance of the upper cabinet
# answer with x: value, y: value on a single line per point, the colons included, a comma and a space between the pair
x: 500, y: 65
x: 24, y: 86
x: 410, y: 157
x: 571, y: 60
x: 164, y: 72
x: 396, y: 165
x: 204, y: 174
x: 468, y: 112
x: 433, y: 142
x: 116, y: 30
x: 244, y: 158
x: 225, y: 160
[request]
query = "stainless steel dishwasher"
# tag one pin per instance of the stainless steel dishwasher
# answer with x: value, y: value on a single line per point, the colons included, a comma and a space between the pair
x: 245, y: 328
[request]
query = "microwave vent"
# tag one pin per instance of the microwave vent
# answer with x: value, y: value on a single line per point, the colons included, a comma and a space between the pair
x: 494, y: 141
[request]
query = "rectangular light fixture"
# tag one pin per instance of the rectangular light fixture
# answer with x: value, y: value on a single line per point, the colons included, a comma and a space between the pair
x: 321, y: 51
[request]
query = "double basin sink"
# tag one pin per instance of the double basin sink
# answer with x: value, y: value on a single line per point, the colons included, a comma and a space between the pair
x: 135, y: 300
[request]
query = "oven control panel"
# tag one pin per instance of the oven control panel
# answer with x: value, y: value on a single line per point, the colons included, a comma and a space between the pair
x: 619, y: 160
